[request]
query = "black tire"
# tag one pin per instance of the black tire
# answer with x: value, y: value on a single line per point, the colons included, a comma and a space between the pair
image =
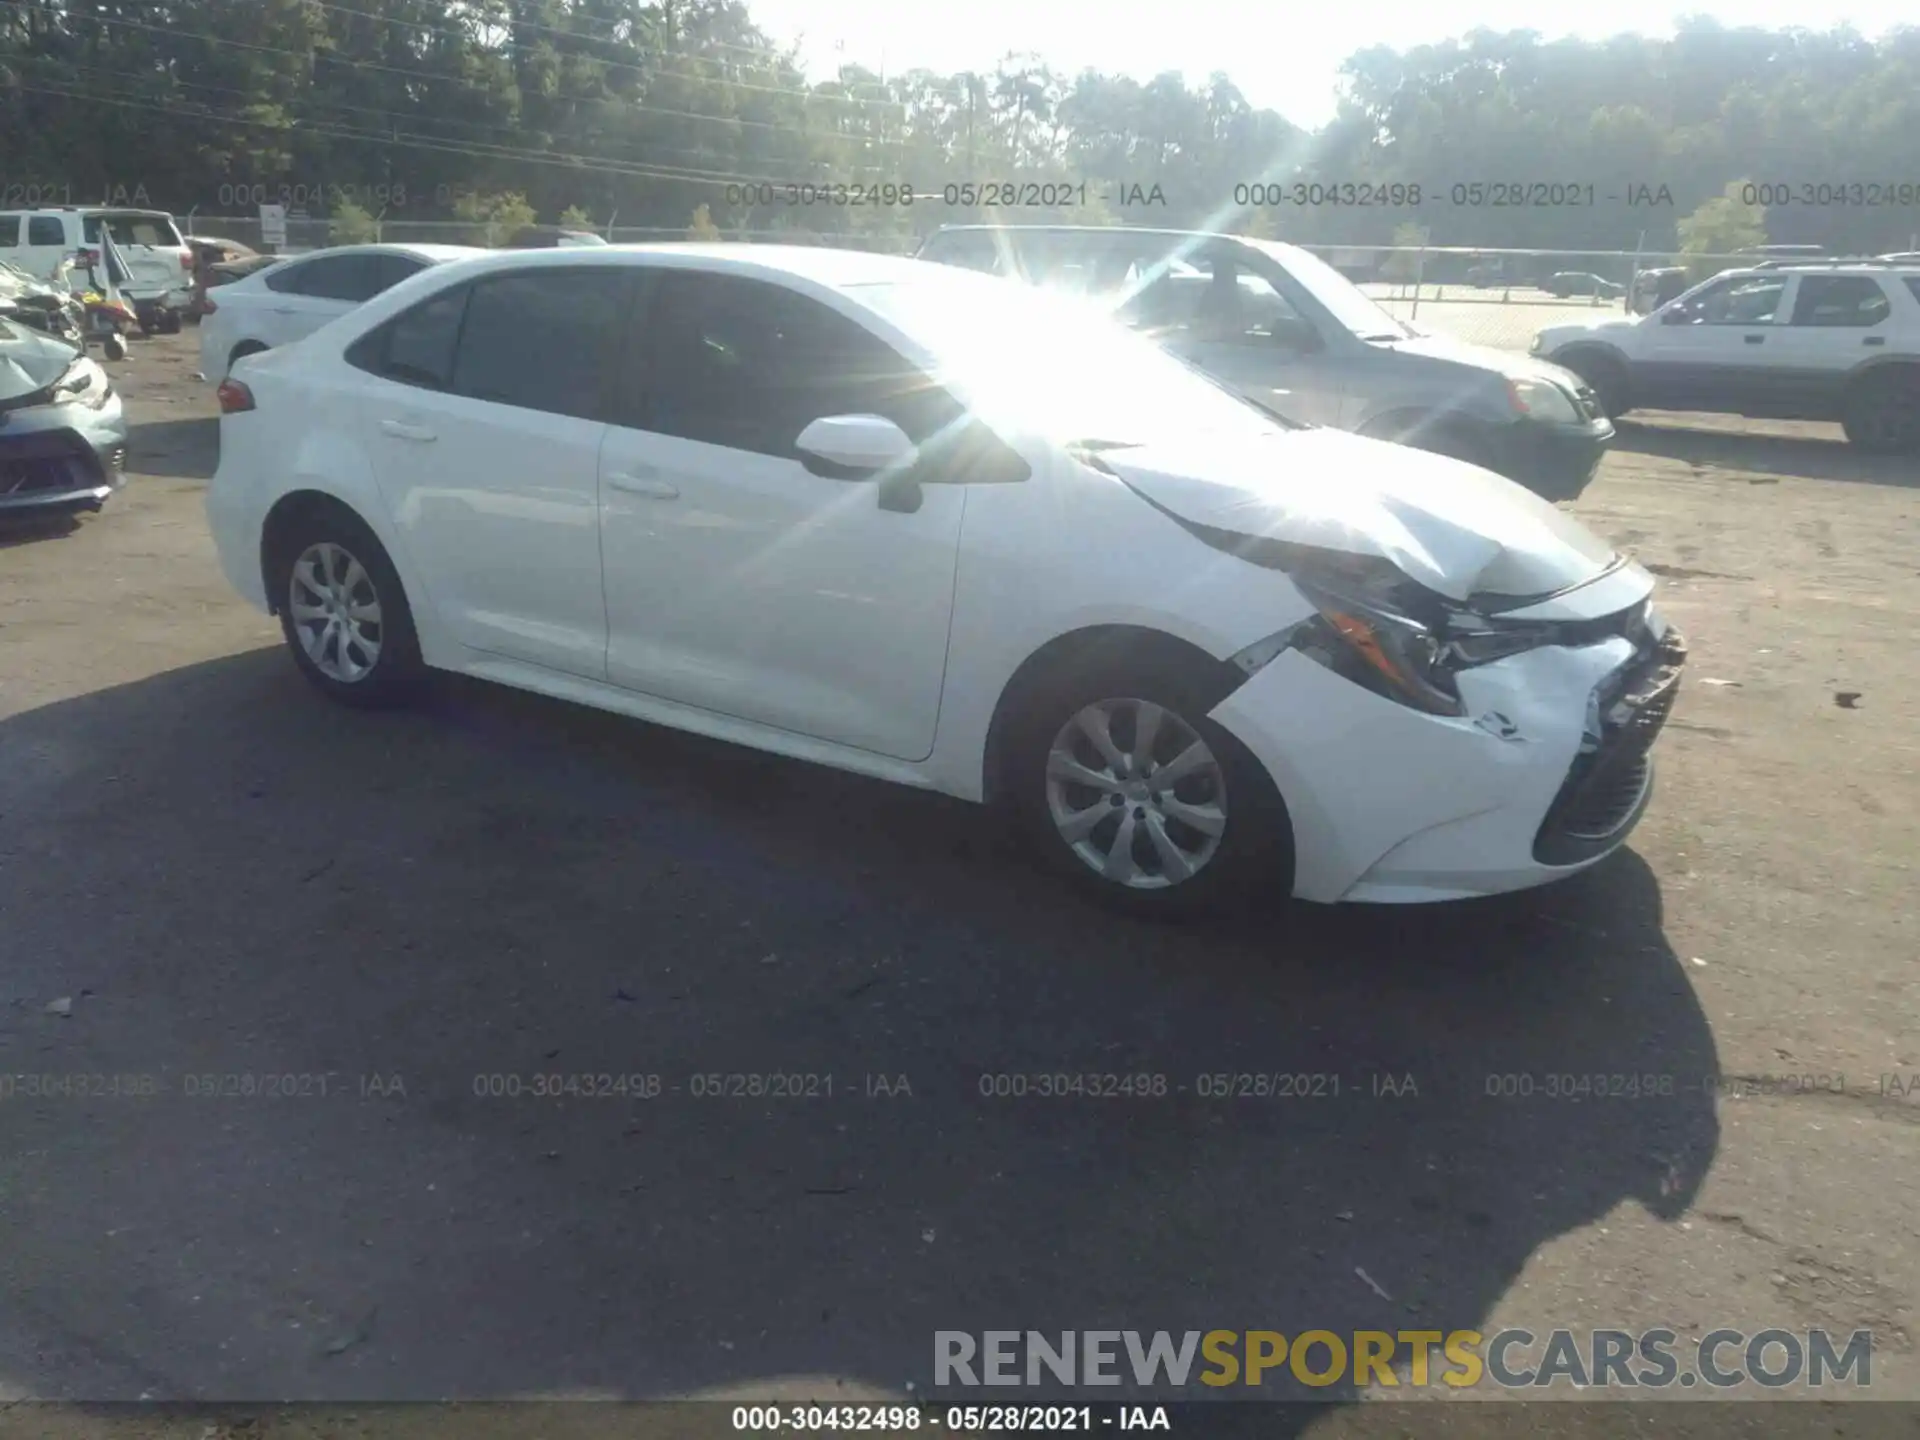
x: 1605, y: 376
x: 394, y: 675
x: 170, y: 322
x: 1881, y: 412
x: 114, y: 347
x: 242, y: 350
x: 1251, y: 857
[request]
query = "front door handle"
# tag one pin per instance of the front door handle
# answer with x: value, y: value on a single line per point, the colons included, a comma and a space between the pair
x: 283, y: 310
x: 1756, y: 339
x: 400, y: 430
x: 1874, y: 340
x: 647, y: 486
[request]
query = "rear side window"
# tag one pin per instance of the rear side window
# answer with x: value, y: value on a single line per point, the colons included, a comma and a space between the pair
x: 390, y: 270
x: 9, y: 229
x: 46, y: 230
x: 1913, y: 284
x: 417, y: 346
x: 541, y: 340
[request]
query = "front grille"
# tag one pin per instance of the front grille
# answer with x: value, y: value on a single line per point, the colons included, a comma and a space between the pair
x: 51, y: 464
x: 1608, y: 783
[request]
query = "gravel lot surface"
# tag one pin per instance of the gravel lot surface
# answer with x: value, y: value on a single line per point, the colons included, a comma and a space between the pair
x: 226, y: 877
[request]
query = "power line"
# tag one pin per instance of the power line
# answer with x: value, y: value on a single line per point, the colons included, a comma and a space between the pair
x: 564, y: 161
x: 392, y: 117
x: 309, y: 57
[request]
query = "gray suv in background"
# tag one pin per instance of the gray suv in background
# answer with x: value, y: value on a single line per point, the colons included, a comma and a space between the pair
x: 1291, y: 333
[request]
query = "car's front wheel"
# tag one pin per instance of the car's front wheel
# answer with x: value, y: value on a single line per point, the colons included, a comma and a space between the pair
x: 344, y: 613
x: 1123, y: 784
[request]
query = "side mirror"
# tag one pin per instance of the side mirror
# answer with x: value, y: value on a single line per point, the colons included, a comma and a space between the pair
x: 865, y: 447
x: 854, y: 447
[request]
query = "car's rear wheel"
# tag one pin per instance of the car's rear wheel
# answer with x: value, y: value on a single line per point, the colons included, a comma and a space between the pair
x: 344, y: 612
x: 1881, y: 413
x: 1122, y: 783
x: 170, y: 322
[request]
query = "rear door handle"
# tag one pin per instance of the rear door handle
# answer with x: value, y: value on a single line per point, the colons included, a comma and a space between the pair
x: 646, y: 484
x: 1756, y: 339
x: 1874, y: 340
x: 283, y: 310
x: 400, y: 430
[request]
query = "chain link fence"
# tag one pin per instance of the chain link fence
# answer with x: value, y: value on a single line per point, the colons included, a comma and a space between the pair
x: 1494, y: 297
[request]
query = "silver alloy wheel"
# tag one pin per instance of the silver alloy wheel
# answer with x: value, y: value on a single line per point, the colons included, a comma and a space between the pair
x: 335, y: 612
x: 1136, y: 794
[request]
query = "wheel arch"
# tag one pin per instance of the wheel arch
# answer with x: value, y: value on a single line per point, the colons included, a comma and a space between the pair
x: 281, y: 526
x: 1076, y: 650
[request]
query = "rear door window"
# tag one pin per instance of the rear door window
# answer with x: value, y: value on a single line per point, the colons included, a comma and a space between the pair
x: 541, y: 340
x: 9, y: 230
x: 417, y: 346
x: 46, y: 230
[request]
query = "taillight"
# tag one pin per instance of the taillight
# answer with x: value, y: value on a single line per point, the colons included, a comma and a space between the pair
x: 207, y: 307
x: 186, y: 260
x: 233, y: 397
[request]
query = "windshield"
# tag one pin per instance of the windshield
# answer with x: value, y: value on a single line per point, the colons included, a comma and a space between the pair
x: 1348, y: 305
x: 1058, y: 367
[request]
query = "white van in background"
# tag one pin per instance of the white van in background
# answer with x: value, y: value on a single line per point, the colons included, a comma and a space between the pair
x: 158, y: 263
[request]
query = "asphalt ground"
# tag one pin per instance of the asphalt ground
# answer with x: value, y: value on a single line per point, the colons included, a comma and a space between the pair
x: 306, y: 947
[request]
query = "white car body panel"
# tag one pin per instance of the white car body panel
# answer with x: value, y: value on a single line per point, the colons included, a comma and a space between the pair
x: 743, y: 597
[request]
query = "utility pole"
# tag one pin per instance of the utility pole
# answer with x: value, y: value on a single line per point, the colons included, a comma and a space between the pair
x: 972, y: 95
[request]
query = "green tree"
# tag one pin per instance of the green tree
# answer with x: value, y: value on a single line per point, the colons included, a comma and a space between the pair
x: 574, y: 218
x: 351, y: 224
x: 494, y: 216
x: 1723, y: 225
x: 701, y: 227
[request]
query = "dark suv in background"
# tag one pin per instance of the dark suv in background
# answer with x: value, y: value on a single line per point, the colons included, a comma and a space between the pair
x: 1291, y: 333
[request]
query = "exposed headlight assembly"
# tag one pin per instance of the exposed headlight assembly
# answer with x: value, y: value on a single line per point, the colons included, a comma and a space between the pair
x: 1542, y: 400
x: 1367, y: 631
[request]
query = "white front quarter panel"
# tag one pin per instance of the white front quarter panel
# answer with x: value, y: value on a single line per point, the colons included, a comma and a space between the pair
x: 1389, y: 803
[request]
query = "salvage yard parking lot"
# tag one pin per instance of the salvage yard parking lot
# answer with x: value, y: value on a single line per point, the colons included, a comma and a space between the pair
x: 334, y: 955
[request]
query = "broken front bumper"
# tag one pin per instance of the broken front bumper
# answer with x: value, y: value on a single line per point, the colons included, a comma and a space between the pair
x: 1393, y: 804
x: 56, y: 458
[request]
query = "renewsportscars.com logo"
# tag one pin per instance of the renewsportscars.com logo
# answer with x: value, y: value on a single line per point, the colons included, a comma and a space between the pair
x: 1460, y: 1359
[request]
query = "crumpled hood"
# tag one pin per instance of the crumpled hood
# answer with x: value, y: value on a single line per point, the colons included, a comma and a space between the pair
x: 1457, y: 529
x: 30, y: 361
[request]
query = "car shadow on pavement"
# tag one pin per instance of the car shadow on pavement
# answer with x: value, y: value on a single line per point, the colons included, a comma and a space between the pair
x: 411, y: 918
x: 178, y: 449
x: 27, y: 528
x: 1793, y: 456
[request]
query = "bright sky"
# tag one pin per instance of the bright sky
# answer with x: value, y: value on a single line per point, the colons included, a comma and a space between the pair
x: 1282, y: 56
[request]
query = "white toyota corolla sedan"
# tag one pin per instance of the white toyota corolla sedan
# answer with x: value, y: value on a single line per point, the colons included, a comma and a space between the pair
x: 917, y: 523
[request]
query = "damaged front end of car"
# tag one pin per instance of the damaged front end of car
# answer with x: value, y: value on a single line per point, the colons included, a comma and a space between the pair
x: 1385, y: 632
